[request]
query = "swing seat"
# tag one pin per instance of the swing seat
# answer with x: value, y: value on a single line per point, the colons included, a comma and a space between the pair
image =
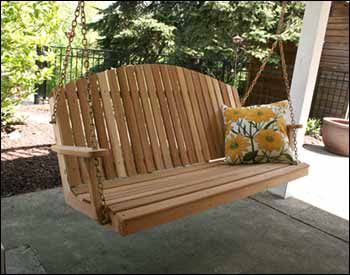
x: 161, y: 138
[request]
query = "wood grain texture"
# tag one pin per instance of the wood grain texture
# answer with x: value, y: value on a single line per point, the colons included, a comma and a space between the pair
x: 159, y: 127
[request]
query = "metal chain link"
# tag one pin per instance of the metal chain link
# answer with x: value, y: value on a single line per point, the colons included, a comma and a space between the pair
x: 290, y: 103
x: 267, y: 58
x: 92, y: 132
x: 279, y: 42
x: 61, y: 89
x: 258, y: 74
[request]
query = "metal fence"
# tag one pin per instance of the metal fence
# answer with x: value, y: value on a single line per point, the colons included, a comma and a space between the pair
x: 101, y: 60
x: 331, y: 97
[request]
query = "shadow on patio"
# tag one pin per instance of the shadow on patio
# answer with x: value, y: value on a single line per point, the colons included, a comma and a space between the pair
x: 262, y: 234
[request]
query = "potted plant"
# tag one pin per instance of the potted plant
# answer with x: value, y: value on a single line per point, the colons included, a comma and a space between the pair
x: 335, y: 133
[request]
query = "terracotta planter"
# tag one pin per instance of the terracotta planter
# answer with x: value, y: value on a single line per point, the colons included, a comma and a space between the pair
x: 335, y: 133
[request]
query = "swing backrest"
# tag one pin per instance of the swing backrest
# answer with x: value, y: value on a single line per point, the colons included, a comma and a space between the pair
x: 150, y: 118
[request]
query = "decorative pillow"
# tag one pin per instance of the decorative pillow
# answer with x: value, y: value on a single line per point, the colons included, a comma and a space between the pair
x: 257, y: 134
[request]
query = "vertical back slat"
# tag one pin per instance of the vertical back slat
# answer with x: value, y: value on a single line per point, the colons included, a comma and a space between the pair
x: 77, y: 128
x: 131, y: 120
x: 190, y: 115
x: 140, y: 118
x: 197, y: 114
x: 168, y: 86
x: 84, y: 106
x: 236, y: 98
x: 108, y: 166
x: 166, y: 115
x: 157, y: 154
x: 182, y: 114
x: 119, y: 112
x: 211, y: 114
x: 224, y: 94
x: 218, y: 113
x: 231, y: 91
x: 65, y: 172
x: 66, y: 136
x: 151, y: 88
x: 74, y: 112
x: 208, y: 127
x: 111, y: 125
x: 217, y: 91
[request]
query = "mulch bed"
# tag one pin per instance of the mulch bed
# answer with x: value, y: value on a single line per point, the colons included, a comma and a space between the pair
x: 27, y: 164
x: 28, y: 169
x: 35, y: 128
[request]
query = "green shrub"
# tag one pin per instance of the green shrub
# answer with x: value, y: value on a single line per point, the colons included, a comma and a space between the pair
x: 24, y: 26
x: 313, y: 127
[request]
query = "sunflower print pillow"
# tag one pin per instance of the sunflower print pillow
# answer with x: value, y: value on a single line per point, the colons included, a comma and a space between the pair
x: 257, y: 134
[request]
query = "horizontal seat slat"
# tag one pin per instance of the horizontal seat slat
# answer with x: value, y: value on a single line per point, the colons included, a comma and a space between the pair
x: 159, y: 183
x: 183, y: 188
x: 110, y: 184
x: 140, y: 218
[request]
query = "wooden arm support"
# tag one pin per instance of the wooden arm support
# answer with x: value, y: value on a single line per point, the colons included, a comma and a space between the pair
x: 294, y: 126
x: 83, y: 152
x: 88, y: 170
x: 290, y: 129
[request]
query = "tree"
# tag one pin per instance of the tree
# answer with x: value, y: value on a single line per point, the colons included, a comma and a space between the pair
x: 65, y: 16
x: 24, y: 26
x: 146, y: 31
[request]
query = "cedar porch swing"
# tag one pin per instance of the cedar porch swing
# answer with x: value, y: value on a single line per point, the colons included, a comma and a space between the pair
x: 142, y: 145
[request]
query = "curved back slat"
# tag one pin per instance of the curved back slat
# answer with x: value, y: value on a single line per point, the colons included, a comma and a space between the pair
x: 64, y: 135
x: 150, y: 117
x: 151, y: 127
x: 174, y: 116
x: 181, y: 109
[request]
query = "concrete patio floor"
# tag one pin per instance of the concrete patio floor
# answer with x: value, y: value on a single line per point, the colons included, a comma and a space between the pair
x: 262, y: 234
x: 327, y: 185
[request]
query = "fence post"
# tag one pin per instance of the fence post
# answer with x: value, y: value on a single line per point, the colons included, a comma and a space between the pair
x: 40, y: 88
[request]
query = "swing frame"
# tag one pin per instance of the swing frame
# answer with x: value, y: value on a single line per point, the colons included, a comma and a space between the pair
x: 142, y: 145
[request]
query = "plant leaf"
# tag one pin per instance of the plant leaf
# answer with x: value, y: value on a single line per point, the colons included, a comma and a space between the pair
x: 250, y: 156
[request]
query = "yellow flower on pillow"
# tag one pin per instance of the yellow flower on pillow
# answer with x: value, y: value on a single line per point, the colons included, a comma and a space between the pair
x: 257, y: 134
x: 228, y: 128
x: 236, y: 146
x: 269, y: 140
x: 282, y: 125
x: 260, y: 114
x: 234, y: 114
x: 281, y: 104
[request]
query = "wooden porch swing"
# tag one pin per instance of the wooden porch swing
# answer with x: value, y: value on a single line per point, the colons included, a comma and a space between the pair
x: 143, y: 145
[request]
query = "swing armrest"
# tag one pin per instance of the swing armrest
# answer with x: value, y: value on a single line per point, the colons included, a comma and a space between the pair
x: 294, y: 126
x: 77, y: 151
x: 290, y: 132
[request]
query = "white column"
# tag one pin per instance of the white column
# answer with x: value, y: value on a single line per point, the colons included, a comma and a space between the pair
x: 306, y: 66
x: 308, y: 59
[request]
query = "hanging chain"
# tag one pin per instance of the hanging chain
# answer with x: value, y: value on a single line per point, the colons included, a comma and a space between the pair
x: 92, y: 132
x: 61, y: 87
x: 258, y: 74
x: 279, y: 42
x: 267, y: 58
x: 290, y: 103
x: 92, y: 139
